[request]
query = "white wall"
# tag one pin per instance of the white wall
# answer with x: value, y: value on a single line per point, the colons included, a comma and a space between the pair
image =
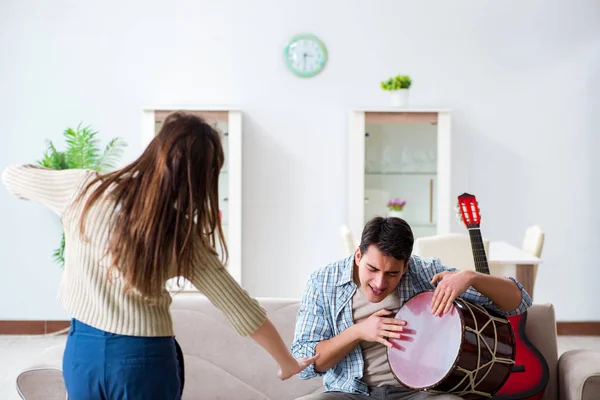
x: 523, y: 80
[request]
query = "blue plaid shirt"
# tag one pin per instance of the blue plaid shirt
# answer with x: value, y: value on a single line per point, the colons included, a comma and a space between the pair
x: 326, y: 310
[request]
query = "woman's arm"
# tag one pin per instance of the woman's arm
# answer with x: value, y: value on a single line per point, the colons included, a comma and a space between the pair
x: 243, y: 312
x: 52, y: 188
x: 269, y: 339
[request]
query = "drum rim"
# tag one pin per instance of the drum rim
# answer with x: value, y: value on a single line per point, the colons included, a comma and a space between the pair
x: 459, y: 353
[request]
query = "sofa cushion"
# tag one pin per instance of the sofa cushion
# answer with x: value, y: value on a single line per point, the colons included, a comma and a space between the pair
x: 220, y: 364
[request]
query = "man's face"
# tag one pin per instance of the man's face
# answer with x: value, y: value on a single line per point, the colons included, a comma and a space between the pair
x: 378, y: 275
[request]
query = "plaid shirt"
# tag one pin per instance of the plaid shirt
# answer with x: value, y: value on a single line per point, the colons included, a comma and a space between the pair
x: 326, y: 310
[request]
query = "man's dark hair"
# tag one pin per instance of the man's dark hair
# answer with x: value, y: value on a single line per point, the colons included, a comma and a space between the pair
x: 392, y: 236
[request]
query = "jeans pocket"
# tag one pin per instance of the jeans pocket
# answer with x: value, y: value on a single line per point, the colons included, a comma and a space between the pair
x: 143, y: 378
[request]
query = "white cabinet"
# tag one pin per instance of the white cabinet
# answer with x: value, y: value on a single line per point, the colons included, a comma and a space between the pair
x: 229, y: 123
x: 400, y: 153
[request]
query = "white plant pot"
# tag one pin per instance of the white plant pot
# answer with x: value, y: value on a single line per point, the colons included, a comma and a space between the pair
x: 399, y: 98
x: 397, y: 214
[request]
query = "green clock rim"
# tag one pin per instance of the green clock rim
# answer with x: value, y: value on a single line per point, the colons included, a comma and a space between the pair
x: 321, y: 64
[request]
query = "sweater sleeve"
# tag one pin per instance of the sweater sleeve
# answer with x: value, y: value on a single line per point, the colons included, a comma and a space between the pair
x: 212, y: 279
x: 54, y: 189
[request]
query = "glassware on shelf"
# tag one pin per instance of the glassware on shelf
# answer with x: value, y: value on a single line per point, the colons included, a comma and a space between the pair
x: 432, y: 159
x: 370, y: 165
x: 372, y: 158
x: 406, y: 160
x: 420, y: 158
x: 387, y: 159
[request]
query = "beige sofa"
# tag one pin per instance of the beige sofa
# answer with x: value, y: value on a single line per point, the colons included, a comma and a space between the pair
x: 222, y: 365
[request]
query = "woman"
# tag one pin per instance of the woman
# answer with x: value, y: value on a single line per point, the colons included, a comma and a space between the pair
x: 127, y: 232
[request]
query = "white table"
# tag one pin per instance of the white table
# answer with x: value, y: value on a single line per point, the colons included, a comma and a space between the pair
x: 502, y: 253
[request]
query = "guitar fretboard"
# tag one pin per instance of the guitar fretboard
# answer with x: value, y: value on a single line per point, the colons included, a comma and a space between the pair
x: 481, y: 264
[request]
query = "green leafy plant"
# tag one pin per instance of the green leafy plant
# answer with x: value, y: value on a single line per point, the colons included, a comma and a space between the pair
x: 396, y: 83
x: 82, y: 152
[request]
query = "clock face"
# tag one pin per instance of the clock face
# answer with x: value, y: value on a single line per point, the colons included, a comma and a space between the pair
x: 305, y: 55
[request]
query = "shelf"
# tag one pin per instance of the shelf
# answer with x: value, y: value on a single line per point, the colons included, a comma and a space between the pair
x: 382, y: 173
x: 401, y: 110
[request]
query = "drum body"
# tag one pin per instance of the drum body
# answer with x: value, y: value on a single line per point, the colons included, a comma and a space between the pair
x: 468, y: 351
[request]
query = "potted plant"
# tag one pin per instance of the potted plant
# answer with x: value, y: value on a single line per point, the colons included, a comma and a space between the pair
x: 396, y: 208
x: 398, y: 87
x: 82, y: 153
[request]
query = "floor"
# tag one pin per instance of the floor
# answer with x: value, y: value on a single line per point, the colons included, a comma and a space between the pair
x: 16, y: 352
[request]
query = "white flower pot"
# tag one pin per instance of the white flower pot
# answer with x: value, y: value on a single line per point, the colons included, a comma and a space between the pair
x: 399, y: 98
x: 397, y: 214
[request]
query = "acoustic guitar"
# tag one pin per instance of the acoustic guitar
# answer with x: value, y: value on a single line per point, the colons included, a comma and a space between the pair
x: 529, y: 375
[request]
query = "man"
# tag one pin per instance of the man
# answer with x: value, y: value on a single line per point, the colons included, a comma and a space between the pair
x: 348, y: 308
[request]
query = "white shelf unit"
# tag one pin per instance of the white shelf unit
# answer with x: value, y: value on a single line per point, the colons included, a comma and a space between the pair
x: 229, y: 123
x: 400, y: 153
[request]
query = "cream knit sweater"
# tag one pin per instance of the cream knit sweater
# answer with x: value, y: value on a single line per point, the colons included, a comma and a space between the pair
x: 87, y: 294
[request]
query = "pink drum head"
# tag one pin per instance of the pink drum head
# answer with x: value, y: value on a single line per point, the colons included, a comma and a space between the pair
x: 429, y: 345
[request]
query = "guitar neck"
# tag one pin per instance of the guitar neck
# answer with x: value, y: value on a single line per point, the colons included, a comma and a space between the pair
x: 481, y: 264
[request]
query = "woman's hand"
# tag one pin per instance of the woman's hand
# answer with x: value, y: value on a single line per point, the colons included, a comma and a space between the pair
x: 287, y: 371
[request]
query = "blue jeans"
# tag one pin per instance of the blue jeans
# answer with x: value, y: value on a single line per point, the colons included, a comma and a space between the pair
x: 99, y: 365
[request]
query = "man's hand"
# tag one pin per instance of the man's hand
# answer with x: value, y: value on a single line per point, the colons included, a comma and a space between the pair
x: 293, y: 368
x: 452, y: 285
x: 377, y: 328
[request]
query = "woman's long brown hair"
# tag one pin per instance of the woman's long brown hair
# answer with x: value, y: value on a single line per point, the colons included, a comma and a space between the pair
x: 166, y: 204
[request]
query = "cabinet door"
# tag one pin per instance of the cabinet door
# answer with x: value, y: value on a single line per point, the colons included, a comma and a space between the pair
x: 399, y: 156
x: 401, y: 163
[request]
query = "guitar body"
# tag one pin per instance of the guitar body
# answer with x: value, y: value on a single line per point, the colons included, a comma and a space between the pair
x: 529, y: 379
x: 530, y: 373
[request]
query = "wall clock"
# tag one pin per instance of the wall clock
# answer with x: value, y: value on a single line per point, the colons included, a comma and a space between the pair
x: 305, y: 55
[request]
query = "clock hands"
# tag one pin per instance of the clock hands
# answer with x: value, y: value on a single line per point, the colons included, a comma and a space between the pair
x: 304, y: 55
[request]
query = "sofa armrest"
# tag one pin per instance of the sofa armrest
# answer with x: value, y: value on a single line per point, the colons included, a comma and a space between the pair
x: 43, y: 379
x: 541, y: 331
x: 579, y: 375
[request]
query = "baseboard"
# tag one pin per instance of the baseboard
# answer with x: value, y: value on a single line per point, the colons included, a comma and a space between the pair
x: 32, y: 327
x: 583, y: 328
